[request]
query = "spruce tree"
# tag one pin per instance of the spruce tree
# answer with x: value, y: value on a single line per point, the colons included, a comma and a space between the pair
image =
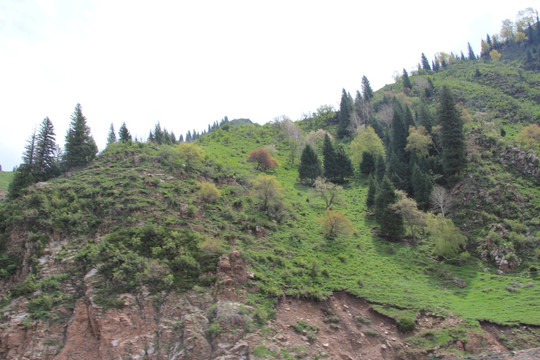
x: 367, y: 92
x: 391, y: 223
x: 46, y: 165
x: 310, y: 166
x: 380, y: 168
x: 24, y: 174
x: 111, y: 136
x: 344, y: 167
x: 372, y: 191
x: 422, y: 185
x: 123, y: 134
x: 80, y: 147
x: 329, y: 159
x: 425, y: 63
x: 472, y: 56
x: 346, y: 108
x: 406, y: 81
x: 452, y: 137
x: 367, y: 166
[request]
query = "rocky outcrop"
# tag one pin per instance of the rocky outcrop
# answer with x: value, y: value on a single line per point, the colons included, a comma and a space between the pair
x: 197, y: 324
x: 522, y: 161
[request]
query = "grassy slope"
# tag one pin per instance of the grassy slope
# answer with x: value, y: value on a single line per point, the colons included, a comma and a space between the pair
x: 5, y: 179
x: 296, y: 260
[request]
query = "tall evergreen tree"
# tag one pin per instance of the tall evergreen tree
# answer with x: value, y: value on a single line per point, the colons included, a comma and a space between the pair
x: 425, y: 63
x: 80, y: 145
x: 372, y: 191
x: 367, y: 166
x: 310, y: 165
x: 111, y: 136
x: 329, y: 159
x: 380, y: 168
x: 367, y: 91
x: 472, y: 56
x: 346, y: 108
x: 123, y: 134
x: 24, y: 174
x: 344, y: 167
x: 400, y: 132
x: 406, y: 81
x: 452, y: 137
x: 422, y: 185
x: 391, y: 223
x: 46, y: 165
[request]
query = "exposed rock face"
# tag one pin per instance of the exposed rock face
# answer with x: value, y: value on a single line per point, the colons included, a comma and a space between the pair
x: 522, y: 161
x: 192, y: 325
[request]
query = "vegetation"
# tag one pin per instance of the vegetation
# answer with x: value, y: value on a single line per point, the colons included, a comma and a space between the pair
x: 159, y: 214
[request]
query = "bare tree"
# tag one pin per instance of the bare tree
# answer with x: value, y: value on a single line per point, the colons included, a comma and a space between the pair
x: 440, y: 200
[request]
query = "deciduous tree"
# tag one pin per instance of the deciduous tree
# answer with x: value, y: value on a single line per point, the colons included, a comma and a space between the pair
x: 263, y: 159
x: 334, y: 224
x: 408, y: 209
x: 418, y: 141
x: 330, y: 193
x: 440, y: 200
x: 267, y: 189
x: 446, y: 238
x: 367, y: 140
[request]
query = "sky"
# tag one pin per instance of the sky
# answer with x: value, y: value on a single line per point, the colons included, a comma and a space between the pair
x: 186, y: 64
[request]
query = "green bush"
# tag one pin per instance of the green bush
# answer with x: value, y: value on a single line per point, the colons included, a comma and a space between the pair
x: 406, y: 324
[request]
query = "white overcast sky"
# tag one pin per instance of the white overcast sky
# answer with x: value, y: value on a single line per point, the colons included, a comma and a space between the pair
x: 189, y: 63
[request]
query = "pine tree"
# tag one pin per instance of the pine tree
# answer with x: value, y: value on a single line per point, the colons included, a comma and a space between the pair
x: 24, y: 174
x: 329, y: 159
x: 310, y: 165
x: 390, y: 222
x: 425, y: 63
x: 367, y: 92
x: 346, y: 108
x: 46, y: 165
x: 380, y: 168
x: 367, y: 166
x: 372, y: 191
x: 344, y: 167
x: 80, y: 145
x: 400, y: 132
x: 406, y: 81
x: 472, y: 56
x: 422, y: 185
x: 111, y: 137
x: 452, y: 137
x: 123, y: 134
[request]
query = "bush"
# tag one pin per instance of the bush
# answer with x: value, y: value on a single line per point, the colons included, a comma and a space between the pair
x: 208, y: 192
x: 406, y: 325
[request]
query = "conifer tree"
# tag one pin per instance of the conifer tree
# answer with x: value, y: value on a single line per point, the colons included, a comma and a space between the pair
x: 310, y: 166
x: 472, y: 56
x: 367, y: 92
x: 111, y: 136
x: 46, y: 165
x: 400, y: 133
x: 452, y: 137
x: 380, y: 168
x: 391, y: 223
x: 425, y: 63
x: 406, y: 81
x: 367, y: 166
x: 346, y: 109
x: 344, y: 167
x: 80, y: 147
x: 123, y: 134
x: 329, y: 159
x: 24, y: 174
x: 422, y: 185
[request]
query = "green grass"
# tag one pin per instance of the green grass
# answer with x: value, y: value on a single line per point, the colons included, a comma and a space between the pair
x: 5, y: 179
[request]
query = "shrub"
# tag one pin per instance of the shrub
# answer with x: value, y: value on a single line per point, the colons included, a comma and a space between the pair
x: 263, y: 159
x: 208, y: 192
x: 405, y: 324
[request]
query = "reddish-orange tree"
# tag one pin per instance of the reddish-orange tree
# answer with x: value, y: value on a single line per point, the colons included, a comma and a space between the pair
x: 263, y: 159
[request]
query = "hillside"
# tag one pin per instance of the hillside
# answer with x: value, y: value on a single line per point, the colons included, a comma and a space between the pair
x: 190, y: 251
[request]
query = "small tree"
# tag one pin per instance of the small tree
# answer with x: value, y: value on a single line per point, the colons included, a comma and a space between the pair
x: 329, y: 159
x: 440, y: 200
x: 418, y: 141
x: 444, y: 235
x: 263, y: 159
x: 267, y: 189
x: 310, y: 165
x: 529, y: 137
x: 391, y: 223
x: 344, y: 168
x: 334, y: 224
x: 367, y: 140
x: 406, y: 81
x: 329, y: 192
x: 124, y: 134
x: 111, y: 137
x: 189, y: 155
x: 208, y: 192
x: 372, y: 191
x: 408, y: 209
x: 46, y: 165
